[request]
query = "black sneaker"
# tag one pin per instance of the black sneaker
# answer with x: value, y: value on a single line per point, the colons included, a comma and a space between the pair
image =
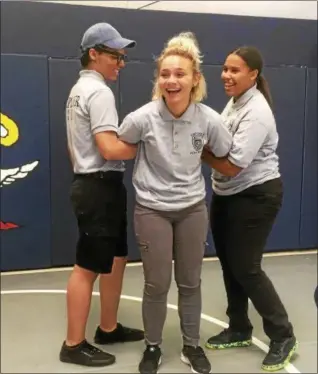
x: 228, y: 339
x: 196, y: 359
x: 279, y: 354
x: 120, y: 335
x: 151, y: 360
x: 85, y: 354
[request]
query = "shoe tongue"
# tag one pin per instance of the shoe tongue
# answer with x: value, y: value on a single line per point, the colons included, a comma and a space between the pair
x: 198, y: 351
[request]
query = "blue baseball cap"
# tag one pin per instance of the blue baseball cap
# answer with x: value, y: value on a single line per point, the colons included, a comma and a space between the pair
x: 105, y: 34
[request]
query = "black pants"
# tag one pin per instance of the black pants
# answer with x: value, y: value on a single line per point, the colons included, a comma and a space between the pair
x: 241, y: 224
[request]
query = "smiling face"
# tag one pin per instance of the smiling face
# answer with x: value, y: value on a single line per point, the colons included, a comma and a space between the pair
x: 108, y: 64
x: 176, y: 81
x: 237, y: 76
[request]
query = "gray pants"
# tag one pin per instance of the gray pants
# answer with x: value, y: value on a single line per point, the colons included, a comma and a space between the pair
x: 163, y: 236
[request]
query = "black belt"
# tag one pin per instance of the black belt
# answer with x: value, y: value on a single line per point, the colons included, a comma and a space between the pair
x: 106, y: 175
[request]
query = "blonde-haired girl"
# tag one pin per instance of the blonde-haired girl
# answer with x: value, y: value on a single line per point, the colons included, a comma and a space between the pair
x: 186, y: 45
x: 171, y: 219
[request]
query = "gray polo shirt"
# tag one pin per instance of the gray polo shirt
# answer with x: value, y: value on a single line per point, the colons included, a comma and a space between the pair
x: 90, y: 109
x: 167, y: 174
x: 252, y: 124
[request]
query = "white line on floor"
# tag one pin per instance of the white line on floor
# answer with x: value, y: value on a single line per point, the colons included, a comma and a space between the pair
x: 135, y: 264
x: 289, y: 368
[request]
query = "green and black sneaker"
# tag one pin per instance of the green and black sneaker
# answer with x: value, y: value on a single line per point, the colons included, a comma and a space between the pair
x: 279, y: 354
x: 229, y: 339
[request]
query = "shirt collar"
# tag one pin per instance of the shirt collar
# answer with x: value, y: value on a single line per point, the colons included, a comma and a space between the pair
x: 187, y: 116
x: 91, y: 74
x: 242, y: 100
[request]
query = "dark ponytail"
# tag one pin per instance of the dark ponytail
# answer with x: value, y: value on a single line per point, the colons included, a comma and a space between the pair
x: 254, y: 61
x: 262, y: 86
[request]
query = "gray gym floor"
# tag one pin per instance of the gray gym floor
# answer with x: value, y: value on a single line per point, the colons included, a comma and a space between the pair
x: 33, y: 320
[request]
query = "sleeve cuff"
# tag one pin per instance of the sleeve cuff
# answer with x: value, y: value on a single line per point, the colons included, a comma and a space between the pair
x: 105, y: 128
x: 237, y: 163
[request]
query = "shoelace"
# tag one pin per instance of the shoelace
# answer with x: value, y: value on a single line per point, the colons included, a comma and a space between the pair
x: 275, y: 348
x: 225, y: 332
x: 125, y: 329
x: 90, y: 349
x: 197, y: 351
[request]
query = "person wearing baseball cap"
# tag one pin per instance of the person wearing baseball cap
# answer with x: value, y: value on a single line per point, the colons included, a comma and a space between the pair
x: 106, y: 35
x: 98, y: 197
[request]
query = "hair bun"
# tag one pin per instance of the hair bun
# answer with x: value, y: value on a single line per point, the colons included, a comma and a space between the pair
x: 186, y: 42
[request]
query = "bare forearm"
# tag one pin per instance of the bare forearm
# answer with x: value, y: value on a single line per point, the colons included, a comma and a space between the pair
x: 120, y: 150
x: 111, y: 148
x: 222, y: 165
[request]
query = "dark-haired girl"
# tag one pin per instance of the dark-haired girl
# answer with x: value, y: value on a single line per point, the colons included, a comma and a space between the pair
x: 247, y: 196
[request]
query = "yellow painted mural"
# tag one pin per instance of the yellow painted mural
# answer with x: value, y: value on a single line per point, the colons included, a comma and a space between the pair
x: 9, y: 132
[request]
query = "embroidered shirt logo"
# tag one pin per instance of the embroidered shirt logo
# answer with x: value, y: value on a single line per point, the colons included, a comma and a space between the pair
x: 197, y: 142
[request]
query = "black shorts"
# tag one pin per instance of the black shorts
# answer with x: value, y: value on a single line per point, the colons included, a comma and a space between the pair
x: 100, y: 204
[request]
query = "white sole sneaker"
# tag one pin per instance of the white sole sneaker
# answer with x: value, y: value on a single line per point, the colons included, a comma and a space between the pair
x: 186, y: 361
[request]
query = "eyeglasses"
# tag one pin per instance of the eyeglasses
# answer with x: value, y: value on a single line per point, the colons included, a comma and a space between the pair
x: 120, y: 56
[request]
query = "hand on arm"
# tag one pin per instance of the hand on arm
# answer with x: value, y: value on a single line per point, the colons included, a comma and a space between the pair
x: 221, y: 164
x: 247, y: 141
x: 215, y: 153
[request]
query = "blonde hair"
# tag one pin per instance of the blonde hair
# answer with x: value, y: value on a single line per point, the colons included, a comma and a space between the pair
x: 185, y: 44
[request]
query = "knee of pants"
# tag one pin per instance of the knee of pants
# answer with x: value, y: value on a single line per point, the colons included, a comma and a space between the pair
x: 158, y: 290
x: 246, y: 275
x: 188, y: 289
